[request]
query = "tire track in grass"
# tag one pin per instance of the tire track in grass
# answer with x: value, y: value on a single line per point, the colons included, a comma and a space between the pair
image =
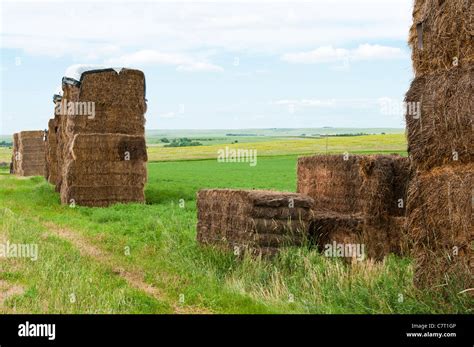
x: 134, y: 277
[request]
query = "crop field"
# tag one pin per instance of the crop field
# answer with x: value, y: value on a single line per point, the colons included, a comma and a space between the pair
x: 145, y: 258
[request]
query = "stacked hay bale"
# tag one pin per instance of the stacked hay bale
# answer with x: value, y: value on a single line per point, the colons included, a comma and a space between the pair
x: 439, y: 207
x: 15, y: 155
x: 53, y: 169
x: 28, y: 153
x: 51, y: 143
x: 103, y: 156
x: 358, y: 200
x: 255, y: 221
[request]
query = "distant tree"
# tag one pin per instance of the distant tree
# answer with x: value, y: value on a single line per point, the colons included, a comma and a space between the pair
x: 165, y: 140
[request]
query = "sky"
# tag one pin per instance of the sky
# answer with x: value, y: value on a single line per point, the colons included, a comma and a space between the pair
x: 216, y: 64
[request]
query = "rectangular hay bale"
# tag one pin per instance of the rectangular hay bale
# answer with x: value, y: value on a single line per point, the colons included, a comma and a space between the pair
x: 29, y: 153
x: 372, y: 185
x: 227, y: 219
x: 441, y: 37
x: 443, y: 132
x: 440, y: 219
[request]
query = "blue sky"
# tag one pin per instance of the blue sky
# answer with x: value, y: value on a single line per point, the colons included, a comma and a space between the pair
x: 211, y: 65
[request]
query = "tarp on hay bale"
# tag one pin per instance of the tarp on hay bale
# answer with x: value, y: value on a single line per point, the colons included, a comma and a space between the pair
x: 255, y: 221
x: 30, y: 153
x: 372, y: 185
x: 440, y: 220
x: 442, y: 32
x: 442, y: 133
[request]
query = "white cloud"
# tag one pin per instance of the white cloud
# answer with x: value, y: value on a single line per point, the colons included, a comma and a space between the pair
x: 152, y: 57
x: 103, y: 31
x: 329, y: 54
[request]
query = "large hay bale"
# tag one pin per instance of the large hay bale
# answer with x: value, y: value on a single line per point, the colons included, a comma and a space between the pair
x: 440, y: 220
x: 102, y: 156
x: 115, y: 173
x: 373, y: 185
x: 116, y: 97
x: 376, y: 238
x: 442, y: 133
x: 255, y: 221
x: 29, y: 153
x: 441, y: 37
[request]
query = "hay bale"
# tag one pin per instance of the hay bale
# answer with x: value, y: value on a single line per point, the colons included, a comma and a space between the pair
x: 29, y: 153
x: 441, y: 37
x: 112, y: 147
x: 241, y: 220
x: 377, y: 237
x: 116, y: 97
x: 115, y: 173
x: 15, y: 156
x: 442, y: 134
x: 440, y: 220
x: 356, y: 185
x: 52, y: 167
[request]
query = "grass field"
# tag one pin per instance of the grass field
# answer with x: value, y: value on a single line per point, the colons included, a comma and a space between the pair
x: 145, y: 259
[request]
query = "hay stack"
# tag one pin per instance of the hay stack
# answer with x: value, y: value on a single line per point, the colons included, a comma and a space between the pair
x: 356, y: 185
x: 440, y: 220
x: 28, y: 153
x: 439, y: 206
x: 379, y: 237
x: 15, y: 155
x: 103, y: 158
x: 358, y: 200
x: 441, y: 35
x: 442, y: 134
x: 109, y: 175
x: 52, y: 167
x: 255, y: 221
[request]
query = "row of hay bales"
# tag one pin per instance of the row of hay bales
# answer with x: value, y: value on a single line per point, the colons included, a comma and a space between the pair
x: 98, y: 158
x: 439, y: 207
x: 341, y: 199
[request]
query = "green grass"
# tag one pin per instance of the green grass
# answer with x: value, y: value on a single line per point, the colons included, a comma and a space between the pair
x: 161, y: 238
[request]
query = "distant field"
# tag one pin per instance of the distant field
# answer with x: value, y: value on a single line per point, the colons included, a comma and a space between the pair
x: 390, y: 143
x: 270, y: 146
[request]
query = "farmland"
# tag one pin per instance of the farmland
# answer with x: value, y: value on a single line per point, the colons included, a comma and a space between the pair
x: 145, y: 259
